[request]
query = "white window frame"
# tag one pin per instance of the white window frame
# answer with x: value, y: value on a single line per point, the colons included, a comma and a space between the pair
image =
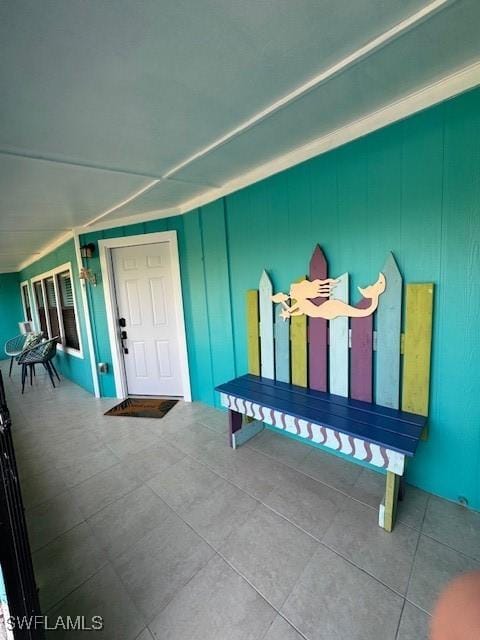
x: 77, y: 353
x: 26, y: 283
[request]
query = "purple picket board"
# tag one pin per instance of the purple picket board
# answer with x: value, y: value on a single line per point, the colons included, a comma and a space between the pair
x: 318, y: 330
x: 361, y: 356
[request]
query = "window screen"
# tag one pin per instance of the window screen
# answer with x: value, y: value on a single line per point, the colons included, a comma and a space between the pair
x: 52, y: 307
x: 65, y: 286
x: 26, y: 302
x: 41, y: 307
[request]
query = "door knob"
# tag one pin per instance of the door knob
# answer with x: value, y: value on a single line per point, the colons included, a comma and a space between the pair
x: 123, y: 337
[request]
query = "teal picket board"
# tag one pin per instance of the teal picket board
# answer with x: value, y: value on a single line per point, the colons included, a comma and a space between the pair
x: 266, y: 327
x: 282, y: 347
x: 387, y: 357
x: 338, y: 350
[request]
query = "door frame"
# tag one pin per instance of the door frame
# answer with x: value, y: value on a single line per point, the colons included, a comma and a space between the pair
x: 105, y: 252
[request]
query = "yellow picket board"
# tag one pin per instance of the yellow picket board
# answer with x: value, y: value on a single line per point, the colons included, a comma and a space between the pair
x: 253, y: 334
x: 390, y: 501
x: 417, y: 348
x: 298, y: 339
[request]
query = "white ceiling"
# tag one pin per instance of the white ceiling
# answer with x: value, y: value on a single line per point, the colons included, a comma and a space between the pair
x: 101, y: 99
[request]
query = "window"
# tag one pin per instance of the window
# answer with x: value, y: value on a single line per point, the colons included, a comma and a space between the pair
x: 67, y: 304
x: 53, y: 317
x: 56, y: 309
x: 39, y: 300
x: 27, y: 307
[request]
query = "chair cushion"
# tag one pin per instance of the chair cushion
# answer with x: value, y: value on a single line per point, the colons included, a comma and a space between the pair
x: 32, y: 339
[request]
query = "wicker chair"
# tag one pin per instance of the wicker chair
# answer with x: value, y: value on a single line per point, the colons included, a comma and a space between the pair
x: 15, y: 346
x: 43, y: 354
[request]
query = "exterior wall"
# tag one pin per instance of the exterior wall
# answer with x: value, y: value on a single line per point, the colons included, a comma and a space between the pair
x: 72, y: 367
x: 413, y: 188
x: 11, y: 310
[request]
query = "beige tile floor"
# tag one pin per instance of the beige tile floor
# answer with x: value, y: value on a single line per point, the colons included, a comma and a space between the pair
x: 165, y: 532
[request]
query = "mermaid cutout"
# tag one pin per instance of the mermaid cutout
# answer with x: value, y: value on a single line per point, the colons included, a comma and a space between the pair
x: 301, y: 294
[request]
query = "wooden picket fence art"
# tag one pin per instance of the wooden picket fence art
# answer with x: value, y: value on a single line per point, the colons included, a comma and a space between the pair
x: 348, y: 357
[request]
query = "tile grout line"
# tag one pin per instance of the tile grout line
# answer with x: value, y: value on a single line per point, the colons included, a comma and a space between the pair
x: 276, y: 460
x: 119, y: 460
x: 307, y: 475
x: 411, y: 570
x: 317, y: 540
x: 369, y: 506
x: 217, y: 552
x: 232, y: 483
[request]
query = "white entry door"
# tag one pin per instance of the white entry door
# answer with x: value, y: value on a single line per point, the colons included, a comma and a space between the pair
x: 146, y: 302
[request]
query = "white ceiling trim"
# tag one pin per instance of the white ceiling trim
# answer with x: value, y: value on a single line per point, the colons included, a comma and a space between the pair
x: 51, y: 246
x: 360, y: 54
x: 48, y: 248
x: 442, y: 90
x: 124, y: 202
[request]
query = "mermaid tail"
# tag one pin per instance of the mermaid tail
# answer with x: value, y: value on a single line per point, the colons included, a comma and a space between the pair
x: 374, y: 290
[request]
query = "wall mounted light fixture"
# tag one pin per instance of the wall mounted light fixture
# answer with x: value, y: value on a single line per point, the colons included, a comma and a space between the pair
x: 87, y: 250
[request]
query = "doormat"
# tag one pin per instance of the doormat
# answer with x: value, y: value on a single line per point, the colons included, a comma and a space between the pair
x: 142, y: 408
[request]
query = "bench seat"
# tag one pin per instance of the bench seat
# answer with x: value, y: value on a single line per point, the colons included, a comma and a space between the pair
x: 380, y: 436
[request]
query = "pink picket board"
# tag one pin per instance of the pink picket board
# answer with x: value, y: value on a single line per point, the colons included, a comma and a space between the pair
x: 318, y: 330
x: 361, y: 356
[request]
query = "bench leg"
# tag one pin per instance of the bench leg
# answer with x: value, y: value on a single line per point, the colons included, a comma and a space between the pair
x: 242, y: 428
x: 401, y: 488
x: 388, y: 508
x: 234, y: 424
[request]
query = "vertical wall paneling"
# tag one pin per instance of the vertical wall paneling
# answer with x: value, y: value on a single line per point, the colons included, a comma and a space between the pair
x: 387, y: 355
x: 267, y: 352
x: 317, y: 329
x: 218, y: 292
x: 96, y: 302
x: 416, y: 358
x: 456, y: 348
x: 154, y: 226
x: 325, y: 227
x: 11, y: 311
x: 244, y: 271
x: 355, y: 237
x: 361, y: 356
x: 253, y: 336
x: 384, y: 194
x: 196, y: 317
x: 135, y: 229
x: 338, y: 351
x: 298, y: 342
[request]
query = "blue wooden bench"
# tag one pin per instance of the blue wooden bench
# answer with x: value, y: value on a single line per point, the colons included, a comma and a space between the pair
x: 355, y: 385
x: 381, y: 436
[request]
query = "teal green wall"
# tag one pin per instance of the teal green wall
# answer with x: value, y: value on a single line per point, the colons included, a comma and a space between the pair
x: 11, y: 310
x: 413, y: 188
x: 76, y: 369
